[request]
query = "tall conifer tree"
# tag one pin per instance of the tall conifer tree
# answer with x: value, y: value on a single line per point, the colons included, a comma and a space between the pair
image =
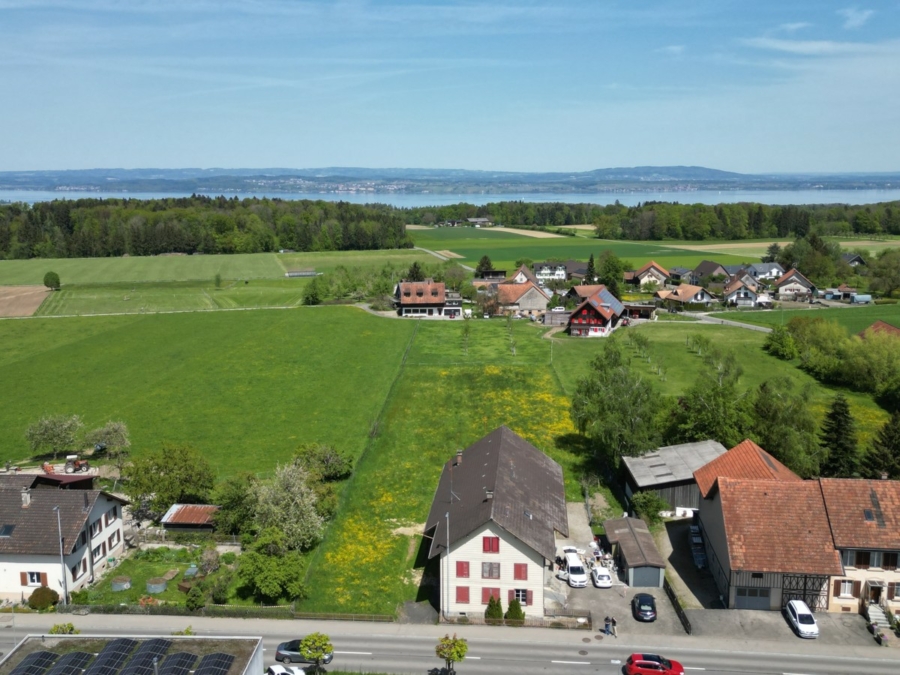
x: 883, y: 459
x: 838, y: 440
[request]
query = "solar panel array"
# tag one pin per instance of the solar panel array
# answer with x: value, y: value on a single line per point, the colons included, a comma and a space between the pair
x: 71, y: 664
x: 215, y: 664
x: 35, y: 663
x: 142, y: 661
x: 177, y: 664
x: 112, y: 657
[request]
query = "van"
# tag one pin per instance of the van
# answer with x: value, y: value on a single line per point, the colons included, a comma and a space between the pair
x: 573, y: 571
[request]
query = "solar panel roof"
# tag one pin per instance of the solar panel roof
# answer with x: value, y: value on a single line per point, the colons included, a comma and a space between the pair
x: 214, y: 664
x: 177, y: 664
x: 112, y: 657
x: 71, y: 663
x: 142, y: 661
x: 35, y: 663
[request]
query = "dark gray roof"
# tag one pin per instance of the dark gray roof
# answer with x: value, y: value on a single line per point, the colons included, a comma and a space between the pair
x: 850, y: 257
x: 766, y: 268
x: 706, y: 268
x: 734, y: 269
x: 672, y: 463
x: 680, y: 271
x: 34, y: 530
x: 635, y: 542
x: 528, y: 501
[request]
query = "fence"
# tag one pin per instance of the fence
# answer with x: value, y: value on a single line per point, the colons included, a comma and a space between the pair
x: 564, y: 619
x: 676, y: 603
x: 286, y: 612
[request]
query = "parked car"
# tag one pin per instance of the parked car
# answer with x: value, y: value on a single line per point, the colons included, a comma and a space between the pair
x: 601, y: 577
x: 557, y: 309
x: 643, y: 607
x: 801, y: 618
x: 573, y: 571
x: 652, y: 664
x: 289, y: 652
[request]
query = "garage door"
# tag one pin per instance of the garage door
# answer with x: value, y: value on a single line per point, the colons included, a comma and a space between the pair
x: 752, y: 598
x: 645, y: 576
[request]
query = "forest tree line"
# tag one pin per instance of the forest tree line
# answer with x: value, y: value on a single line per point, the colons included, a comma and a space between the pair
x: 87, y: 228
x: 664, y: 220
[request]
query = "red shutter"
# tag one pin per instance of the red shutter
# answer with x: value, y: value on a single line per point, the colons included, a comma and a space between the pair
x: 511, y: 595
x: 485, y: 596
x: 520, y: 572
x: 462, y: 594
x: 23, y: 577
x: 462, y: 569
x: 857, y: 586
x: 837, y: 588
x: 495, y: 543
x: 485, y: 544
x: 43, y: 578
x: 529, y: 600
x: 495, y: 592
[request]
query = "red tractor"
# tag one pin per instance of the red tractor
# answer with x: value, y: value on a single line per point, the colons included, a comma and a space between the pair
x: 73, y: 464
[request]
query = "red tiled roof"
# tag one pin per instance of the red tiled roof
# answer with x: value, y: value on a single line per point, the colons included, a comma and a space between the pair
x: 881, y: 327
x: 597, y: 305
x: 863, y: 513
x: 777, y: 526
x: 794, y: 273
x: 428, y: 292
x: 190, y: 514
x: 510, y: 294
x: 649, y: 265
x: 523, y: 270
x: 745, y: 460
x: 585, y: 291
x: 844, y: 288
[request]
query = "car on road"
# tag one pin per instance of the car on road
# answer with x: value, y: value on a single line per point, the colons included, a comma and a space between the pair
x: 801, y: 619
x: 643, y: 607
x: 601, y: 577
x: 652, y: 664
x: 289, y: 652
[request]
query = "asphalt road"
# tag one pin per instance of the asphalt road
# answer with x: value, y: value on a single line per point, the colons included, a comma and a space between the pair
x: 394, y: 648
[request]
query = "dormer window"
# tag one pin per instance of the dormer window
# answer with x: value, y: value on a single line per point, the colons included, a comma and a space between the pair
x: 433, y: 292
x: 420, y: 292
x: 868, y: 515
x: 406, y: 294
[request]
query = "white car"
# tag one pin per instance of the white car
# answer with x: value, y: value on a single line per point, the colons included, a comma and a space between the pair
x: 601, y: 577
x: 801, y: 618
x: 557, y: 309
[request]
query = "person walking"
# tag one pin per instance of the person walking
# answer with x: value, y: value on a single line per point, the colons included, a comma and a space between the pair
x: 606, y: 625
x: 612, y: 623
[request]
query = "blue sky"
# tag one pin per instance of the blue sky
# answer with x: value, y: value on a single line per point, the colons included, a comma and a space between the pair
x: 761, y: 86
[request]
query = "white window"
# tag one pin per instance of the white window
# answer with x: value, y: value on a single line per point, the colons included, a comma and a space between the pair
x: 847, y: 588
x: 96, y: 553
x: 521, y: 595
x: 875, y: 559
x: 34, y: 578
x: 849, y: 558
x: 96, y: 526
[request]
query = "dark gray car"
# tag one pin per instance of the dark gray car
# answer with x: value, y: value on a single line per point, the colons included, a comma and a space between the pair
x: 289, y: 652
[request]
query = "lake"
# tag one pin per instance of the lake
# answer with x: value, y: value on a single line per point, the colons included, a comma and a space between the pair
x: 405, y: 200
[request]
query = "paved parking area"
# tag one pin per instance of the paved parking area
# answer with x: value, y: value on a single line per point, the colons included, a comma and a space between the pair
x: 616, y: 601
x: 747, y: 624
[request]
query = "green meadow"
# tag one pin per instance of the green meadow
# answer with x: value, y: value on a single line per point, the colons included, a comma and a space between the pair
x: 854, y: 319
x: 504, y: 248
x: 246, y: 388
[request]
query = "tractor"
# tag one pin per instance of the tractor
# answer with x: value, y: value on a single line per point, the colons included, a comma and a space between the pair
x: 73, y: 464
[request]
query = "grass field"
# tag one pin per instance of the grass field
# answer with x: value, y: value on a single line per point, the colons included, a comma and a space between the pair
x: 505, y: 248
x: 192, y: 267
x: 855, y: 319
x: 668, y: 348
x: 246, y: 388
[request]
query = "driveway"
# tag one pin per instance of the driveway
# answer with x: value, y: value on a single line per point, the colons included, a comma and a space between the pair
x: 696, y: 588
x: 747, y: 624
x: 616, y: 601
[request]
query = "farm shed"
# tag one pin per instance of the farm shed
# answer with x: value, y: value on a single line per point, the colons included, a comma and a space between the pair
x: 635, y: 551
x: 669, y: 472
x: 190, y: 516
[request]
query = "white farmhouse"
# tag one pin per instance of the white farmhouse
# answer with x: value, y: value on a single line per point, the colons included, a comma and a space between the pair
x: 30, y: 524
x: 493, y: 521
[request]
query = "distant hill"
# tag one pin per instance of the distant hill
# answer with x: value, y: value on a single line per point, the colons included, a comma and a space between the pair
x: 337, y: 179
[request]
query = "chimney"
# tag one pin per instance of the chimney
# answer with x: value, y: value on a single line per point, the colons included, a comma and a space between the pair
x: 884, y: 475
x: 458, y: 457
x: 489, y: 494
x: 26, y: 497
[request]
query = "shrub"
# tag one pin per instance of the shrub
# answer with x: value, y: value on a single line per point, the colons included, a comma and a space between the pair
x: 187, y: 631
x: 493, y: 614
x: 82, y: 597
x: 648, y: 505
x: 781, y: 343
x: 195, y: 599
x: 219, y: 585
x: 515, y: 615
x: 209, y: 561
x: 51, y: 281
x: 63, y: 629
x: 228, y: 558
x: 43, y: 598
x: 886, y: 301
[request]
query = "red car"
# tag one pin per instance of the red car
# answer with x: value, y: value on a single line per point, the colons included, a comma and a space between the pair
x: 652, y: 664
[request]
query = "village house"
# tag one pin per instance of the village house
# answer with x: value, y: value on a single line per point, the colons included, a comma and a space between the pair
x: 493, y: 523
x: 685, y: 294
x: 31, y: 522
x: 853, y: 259
x: 427, y: 298
x: 582, y: 292
x: 526, y: 298
x: 561, y: 272
x: 739, y: 294
x: 765, y: 271
x: 794, y: 286
x: 679, y: 274
x: 881, y: 327
x: 708, y: 270
x: 648, y: 274
x: 598, y: 316
x: 479, y: 222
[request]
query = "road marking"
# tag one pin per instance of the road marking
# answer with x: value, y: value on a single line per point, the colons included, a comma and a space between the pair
x: 686, y: 668
x: 477, y: 658
x: 356, y: 653
x: 573, y: 663
x: 793, y: 674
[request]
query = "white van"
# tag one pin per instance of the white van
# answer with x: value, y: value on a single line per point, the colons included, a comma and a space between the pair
x: 573, y: 571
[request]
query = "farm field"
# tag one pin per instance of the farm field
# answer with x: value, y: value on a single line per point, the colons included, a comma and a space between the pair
x: 245, y: 388
x: 504, y: 248
x: 854, y: 319
x: 122, y: 298
x: 443, y: 401
x: 161, y: 268
x: 668, y: 347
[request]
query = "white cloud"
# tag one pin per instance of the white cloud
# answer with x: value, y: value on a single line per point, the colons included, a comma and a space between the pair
x: 808, y: 47
x: 792, y: 27
x: 674, y: 50
x: 854, y: 17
